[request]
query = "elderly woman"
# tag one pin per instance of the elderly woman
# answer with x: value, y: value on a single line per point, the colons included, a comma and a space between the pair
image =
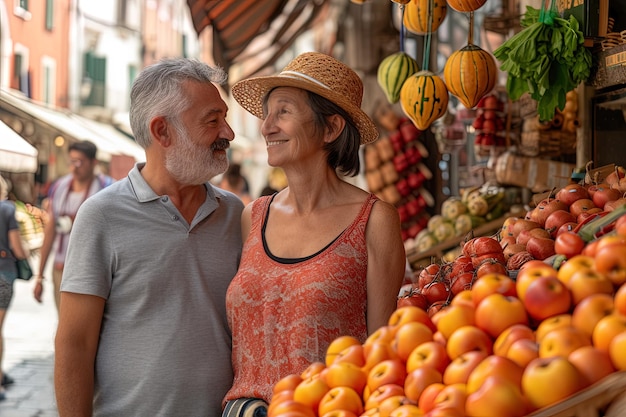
x: 322, y: 258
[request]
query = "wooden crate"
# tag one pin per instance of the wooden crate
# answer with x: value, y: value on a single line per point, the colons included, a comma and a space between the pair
x: 606, y: 398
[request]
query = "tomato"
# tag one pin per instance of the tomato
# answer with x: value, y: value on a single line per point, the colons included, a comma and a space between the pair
x: 414, y: 298
x: 436, y: 291
x: 428, y: 275
x: 461, y: 265
x: 481, y: 248
x: 490, y: 266
x: 462, y: 282
x: 569, y: 244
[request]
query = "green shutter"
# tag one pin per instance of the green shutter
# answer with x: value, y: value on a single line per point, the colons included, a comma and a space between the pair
x: 49, y: 14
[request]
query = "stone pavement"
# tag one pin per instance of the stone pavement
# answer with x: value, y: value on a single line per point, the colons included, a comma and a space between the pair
x: 29, y: 330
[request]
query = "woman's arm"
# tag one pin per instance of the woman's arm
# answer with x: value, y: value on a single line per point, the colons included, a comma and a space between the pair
x: 386, y: 264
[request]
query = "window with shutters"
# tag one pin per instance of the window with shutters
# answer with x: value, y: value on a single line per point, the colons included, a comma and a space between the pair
x: 95, y: 71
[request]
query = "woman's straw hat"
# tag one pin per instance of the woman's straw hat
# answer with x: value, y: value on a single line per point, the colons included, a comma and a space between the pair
x: 320, y: 74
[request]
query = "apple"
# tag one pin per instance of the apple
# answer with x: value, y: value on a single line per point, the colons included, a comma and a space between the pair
x: 377, y: 396
x: 506, y: 338
x: 562, y: 341
x: 497, y: 312
x: 407, y: 314
x: 522, y: 351
x: 523, y: 225
x: 468, y: 338
x: 611, y: 261
x: 494, y: 365
x: 581, y: 206
x: 590, y: 310
x: 507, y: 227
x: 407, y: 410
x: 546, y: 381
x: 384, y: 334
x: 546, y: 207
x: 418, y: 379
x: 346, y: 374
x: 551, y: 323
x: 459, y: 369
x: 377, y: 352
x: 574, y: 264
x: 314, y: 368
x: 492, y: 284
x: 427, y: 400
x: 572, y: 192
x: 452, y: 317
x: 340, y: 413
x: 341, y: 398
x: 557, y: 219
x: 497, y: 396
x: 287, y: 383
x: 588, y: 282
x: 290, y: 408
x: 353, y: 354
x: 408, y: 337
x: 431, y: 354
x: 525, y: 235
x: 620, y: 299
x: 592, y: 362
x: 390, y: 404
x: 540, y: 247
x: 310, y: 392
x: 606, y: 329
x: 617, y: 351
x: 529, y: 272
x: 337, y: 345
x: 567, y: 227
x: 452, y: 397
x: 546, y: 297
x: 613, y: 204
x: 390, y: 371
x: 605, y: 194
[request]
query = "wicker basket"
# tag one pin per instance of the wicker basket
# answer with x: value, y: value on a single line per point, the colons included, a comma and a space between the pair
x: 547, y: 143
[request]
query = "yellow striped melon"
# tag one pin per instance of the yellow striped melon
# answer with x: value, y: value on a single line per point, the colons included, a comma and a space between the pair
x: 424, y: 98
x: 393, y: 71
x: 470, y: 73
x: 419, y: 14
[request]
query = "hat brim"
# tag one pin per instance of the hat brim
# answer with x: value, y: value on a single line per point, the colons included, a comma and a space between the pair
x: 250, y: 93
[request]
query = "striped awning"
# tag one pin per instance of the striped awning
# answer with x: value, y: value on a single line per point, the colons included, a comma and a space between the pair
x: 272, y: 25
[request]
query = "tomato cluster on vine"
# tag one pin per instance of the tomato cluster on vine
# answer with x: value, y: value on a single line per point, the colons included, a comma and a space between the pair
x: 434, y: 286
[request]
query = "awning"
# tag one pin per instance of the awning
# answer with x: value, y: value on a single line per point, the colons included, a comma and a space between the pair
x: 272, y: 24
x: 16, y: 155
x: 109, y: 140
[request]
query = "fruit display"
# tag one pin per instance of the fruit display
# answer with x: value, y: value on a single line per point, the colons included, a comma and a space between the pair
x: 499, y: 347
x: 461, y: 215
x: 395, y: 173
x: 565, y: 221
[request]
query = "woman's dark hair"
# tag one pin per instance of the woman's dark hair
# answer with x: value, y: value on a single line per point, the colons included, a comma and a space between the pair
x: 343, y: 152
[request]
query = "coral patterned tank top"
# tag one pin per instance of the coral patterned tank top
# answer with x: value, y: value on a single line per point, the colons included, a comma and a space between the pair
x: 283, y: 316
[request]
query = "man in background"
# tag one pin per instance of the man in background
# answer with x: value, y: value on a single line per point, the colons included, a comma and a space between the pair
x: 65, y: 196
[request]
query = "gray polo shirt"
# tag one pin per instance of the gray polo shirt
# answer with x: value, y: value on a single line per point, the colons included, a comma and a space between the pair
x: 164, y: 343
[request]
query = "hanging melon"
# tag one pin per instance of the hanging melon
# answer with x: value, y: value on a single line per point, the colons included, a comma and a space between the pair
x: 424, y: 98
x: 470, y: 73
x: 418, y: 14
x: 393, y: 71
x: 466, y: 5
x: 401, y: 1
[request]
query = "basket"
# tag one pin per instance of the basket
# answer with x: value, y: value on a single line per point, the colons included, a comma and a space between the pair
x: 527, y: 106
x: 547, y: 143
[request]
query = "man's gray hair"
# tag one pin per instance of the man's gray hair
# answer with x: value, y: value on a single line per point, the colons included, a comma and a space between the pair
x: 157, y: 91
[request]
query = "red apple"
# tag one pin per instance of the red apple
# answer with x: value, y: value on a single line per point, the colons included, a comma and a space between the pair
x: 557, y: 219
x: 571, y: 193
x: 540, y: 247
x: 546, y: 297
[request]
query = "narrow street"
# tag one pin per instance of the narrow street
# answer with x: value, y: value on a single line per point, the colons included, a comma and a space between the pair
x: 29, y: 331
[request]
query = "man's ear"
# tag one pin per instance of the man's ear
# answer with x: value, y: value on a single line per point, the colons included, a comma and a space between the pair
x: 335, y: 126
x: 160, y: 130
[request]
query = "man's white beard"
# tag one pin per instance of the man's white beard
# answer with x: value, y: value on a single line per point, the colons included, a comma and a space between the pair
x: 193, y: 164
